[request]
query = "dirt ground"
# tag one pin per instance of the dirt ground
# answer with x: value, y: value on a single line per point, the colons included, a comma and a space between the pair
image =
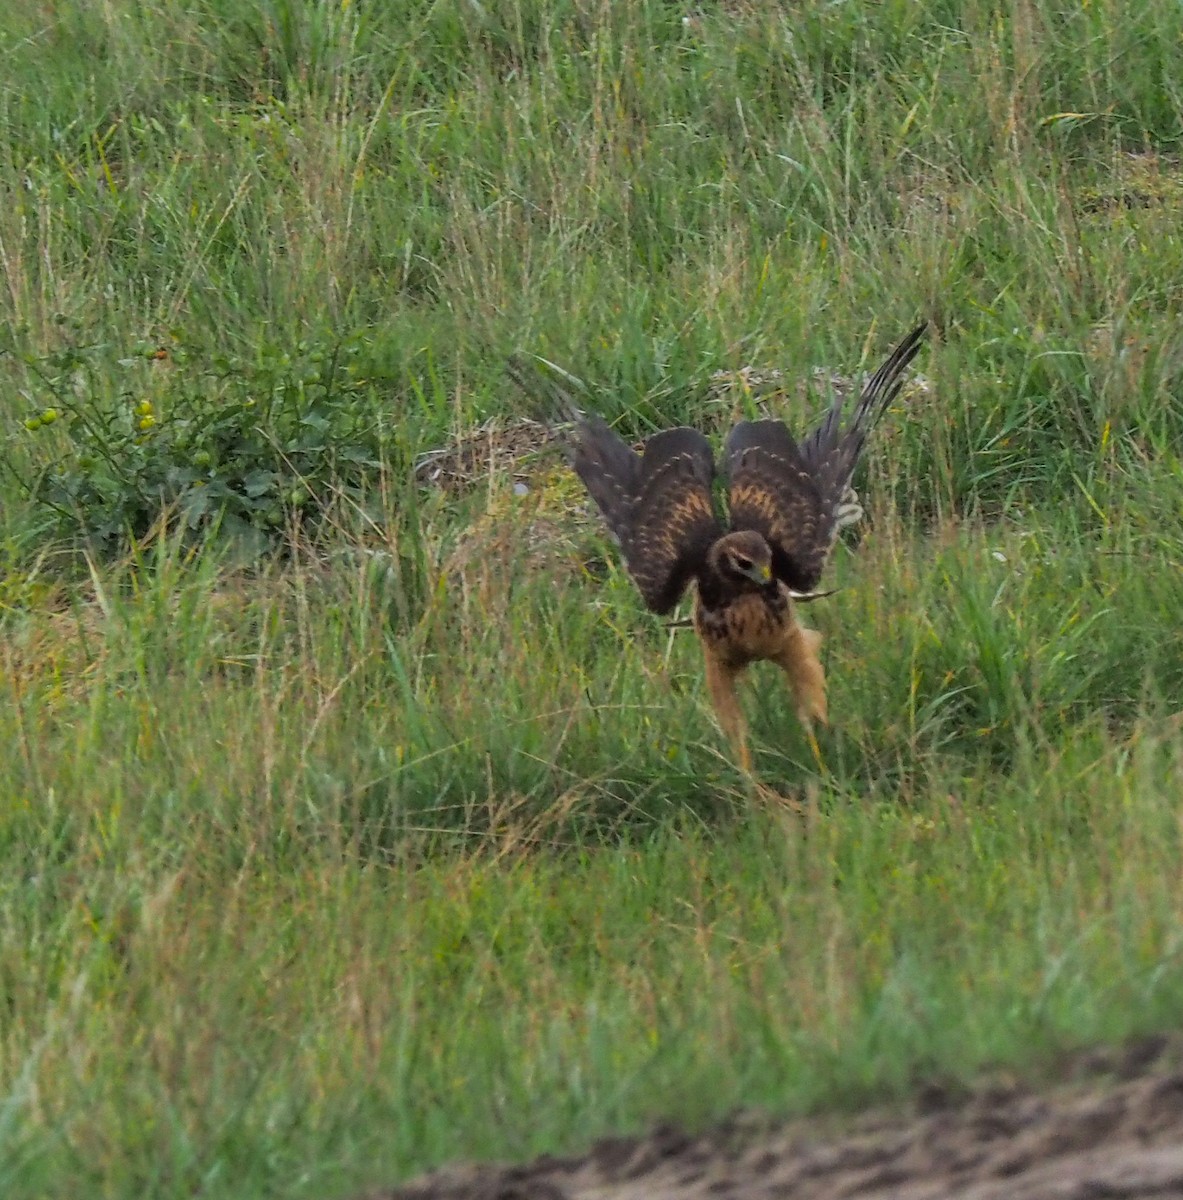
x: 1112, y: 1127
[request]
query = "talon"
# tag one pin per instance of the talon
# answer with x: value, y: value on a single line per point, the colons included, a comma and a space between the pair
x: 811, y: 738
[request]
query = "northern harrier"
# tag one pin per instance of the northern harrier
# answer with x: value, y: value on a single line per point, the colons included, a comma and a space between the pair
x: 785, y: 500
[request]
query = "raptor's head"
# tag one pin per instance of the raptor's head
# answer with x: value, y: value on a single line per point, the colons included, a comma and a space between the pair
x: 743, y: 559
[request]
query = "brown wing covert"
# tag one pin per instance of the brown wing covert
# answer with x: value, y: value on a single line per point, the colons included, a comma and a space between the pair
x: 771, y: 491
x: 791, y: 492
x: 657, y: 504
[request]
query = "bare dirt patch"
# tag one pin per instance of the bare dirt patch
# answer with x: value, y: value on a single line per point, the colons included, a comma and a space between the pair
x: 1112, y: 1128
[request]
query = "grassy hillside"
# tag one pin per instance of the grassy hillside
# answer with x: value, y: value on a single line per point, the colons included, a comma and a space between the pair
x: 354, y: 815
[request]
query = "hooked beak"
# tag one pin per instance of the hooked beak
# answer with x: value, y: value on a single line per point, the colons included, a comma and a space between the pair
x: 760, y: 573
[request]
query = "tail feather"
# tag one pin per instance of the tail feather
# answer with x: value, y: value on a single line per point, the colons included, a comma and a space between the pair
x: 831, y: 455
x: 883, y: 387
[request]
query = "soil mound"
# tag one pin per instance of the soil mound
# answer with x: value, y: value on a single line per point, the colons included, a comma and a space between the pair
x: 1112, y: 1128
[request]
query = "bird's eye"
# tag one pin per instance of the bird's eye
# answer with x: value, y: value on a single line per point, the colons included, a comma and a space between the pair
x: 743, y: 564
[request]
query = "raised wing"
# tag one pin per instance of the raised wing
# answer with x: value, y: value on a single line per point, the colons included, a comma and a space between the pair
x: 657, y: 504
x: 771, y: 491
x: 791, y: 492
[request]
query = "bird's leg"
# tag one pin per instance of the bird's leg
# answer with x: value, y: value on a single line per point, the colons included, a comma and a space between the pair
x: 721, y: 684
x: 799, y: 661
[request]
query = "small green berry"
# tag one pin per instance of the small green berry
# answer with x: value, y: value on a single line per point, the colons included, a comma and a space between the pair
x: 49, y: 416
x: 202, y: 459
x: 144, y: 408
x: 32, y: 424
x: 147, y: 422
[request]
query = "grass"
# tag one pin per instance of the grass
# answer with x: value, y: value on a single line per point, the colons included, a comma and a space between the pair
x: 355, y: 825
